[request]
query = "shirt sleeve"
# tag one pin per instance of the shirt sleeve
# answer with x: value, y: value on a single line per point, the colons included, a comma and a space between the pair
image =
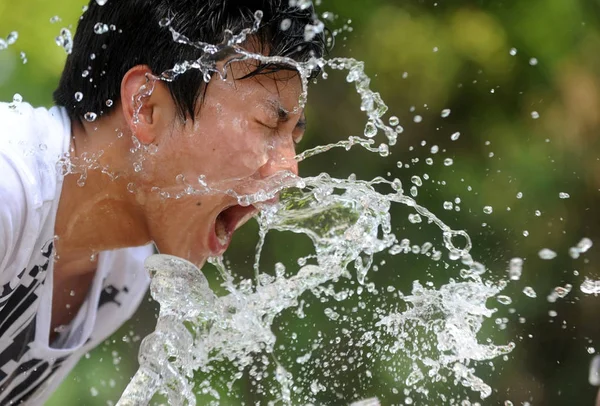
x: 13, y: 215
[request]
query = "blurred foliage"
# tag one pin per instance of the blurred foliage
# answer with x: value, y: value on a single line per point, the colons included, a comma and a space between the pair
x: 522, y: 82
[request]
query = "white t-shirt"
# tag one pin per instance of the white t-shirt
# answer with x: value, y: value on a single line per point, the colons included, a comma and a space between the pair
x: 31, y: 368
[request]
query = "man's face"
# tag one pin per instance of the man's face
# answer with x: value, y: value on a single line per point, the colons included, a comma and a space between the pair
x: 245, y: 132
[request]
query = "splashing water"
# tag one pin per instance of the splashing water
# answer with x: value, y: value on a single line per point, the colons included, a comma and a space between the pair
x: 206, y: 340
x: 348, y: 222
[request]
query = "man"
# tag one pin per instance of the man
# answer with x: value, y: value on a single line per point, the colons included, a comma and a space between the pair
x: 135, y: 157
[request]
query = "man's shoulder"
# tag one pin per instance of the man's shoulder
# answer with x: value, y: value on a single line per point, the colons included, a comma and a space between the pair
x: 32, y: 140
x: 22, y: 125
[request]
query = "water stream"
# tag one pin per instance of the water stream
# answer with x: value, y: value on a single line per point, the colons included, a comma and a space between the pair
x: 348, y: 223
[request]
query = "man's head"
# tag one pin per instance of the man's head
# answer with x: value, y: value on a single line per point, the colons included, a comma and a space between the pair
x: 101, y: 57
x: 232, y: 134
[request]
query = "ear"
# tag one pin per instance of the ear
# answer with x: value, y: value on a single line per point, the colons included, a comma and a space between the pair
x: 146, y: 103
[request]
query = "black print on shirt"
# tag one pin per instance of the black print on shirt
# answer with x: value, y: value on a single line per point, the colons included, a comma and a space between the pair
x: 21, y: 376
x: 109, y: 295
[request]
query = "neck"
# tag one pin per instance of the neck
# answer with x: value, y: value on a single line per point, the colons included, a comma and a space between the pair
x: 96, y: 212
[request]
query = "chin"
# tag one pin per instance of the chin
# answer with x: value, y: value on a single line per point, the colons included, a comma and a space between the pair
x: 197, y: 255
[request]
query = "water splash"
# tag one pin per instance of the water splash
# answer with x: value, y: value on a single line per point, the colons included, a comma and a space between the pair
x: 348, y: 222
x: 65, y: 40
x: 10, y: 40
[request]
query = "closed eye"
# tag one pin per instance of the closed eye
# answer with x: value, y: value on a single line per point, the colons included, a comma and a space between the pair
x: 270, y: 127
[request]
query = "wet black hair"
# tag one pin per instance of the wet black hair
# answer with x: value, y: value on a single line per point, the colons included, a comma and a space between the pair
x: 120, y: 34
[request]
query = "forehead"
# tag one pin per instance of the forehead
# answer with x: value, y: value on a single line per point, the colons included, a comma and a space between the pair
x: 275, y: 86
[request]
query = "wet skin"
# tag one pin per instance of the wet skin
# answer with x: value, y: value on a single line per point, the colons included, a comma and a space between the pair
x: 244, y: 132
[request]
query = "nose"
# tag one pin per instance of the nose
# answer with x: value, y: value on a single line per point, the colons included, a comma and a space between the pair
x: 282, y: 153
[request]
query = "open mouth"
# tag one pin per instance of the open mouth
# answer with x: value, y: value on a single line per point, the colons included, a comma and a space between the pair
x: 226, y: 223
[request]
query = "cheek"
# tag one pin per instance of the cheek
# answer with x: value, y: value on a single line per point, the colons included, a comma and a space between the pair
x: 238, y: 150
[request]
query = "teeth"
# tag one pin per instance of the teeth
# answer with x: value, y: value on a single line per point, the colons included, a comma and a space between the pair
x: 221, y: 232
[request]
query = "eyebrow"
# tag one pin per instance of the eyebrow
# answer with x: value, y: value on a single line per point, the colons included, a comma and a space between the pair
x: 283, y: 115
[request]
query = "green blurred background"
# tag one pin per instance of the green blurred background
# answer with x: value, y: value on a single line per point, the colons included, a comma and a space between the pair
x: 522, y: 82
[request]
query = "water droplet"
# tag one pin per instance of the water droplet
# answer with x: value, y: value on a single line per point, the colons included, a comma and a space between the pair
x: 23, y: 57
x: 591, y: 350
x: 90, y: 116
x: 455, y: 136
x: 384, y: 150
x: 17, y: 98
x: 503, y: 299
x: 310, y: 30
x: 65, y: 40
x: 563, y: 291
x: 547, y: 254
x: 370, y: 130
x: 100, y: 28
x: 513, y: 51
x: 414, y: 218
x: 434, y: 149
x: 515, y: 268
x: 394, y: 121
x: 43, y: 147
x: 332, y: 315
x: 78, y: 96
x: 279, y: 269
x: 526, y: 233
x: 445, y: 113
x: 594, y: 377
x: 529, y: 292
x: 590, y: 286
x: 416, y: 180
x: 533, y: 61
x: 448, y: 205
x: 448, y: 162
x: 538, y: 213
x: 488, y: 209
x: 101, y: 2
x: 417, y: 118
x: 564, y: 195
x: 535, y: 115
x: 109, y: 103
x: 164, y: 22
x: 520, y: 195
x: 12, y: 37
x: 584, y: 245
